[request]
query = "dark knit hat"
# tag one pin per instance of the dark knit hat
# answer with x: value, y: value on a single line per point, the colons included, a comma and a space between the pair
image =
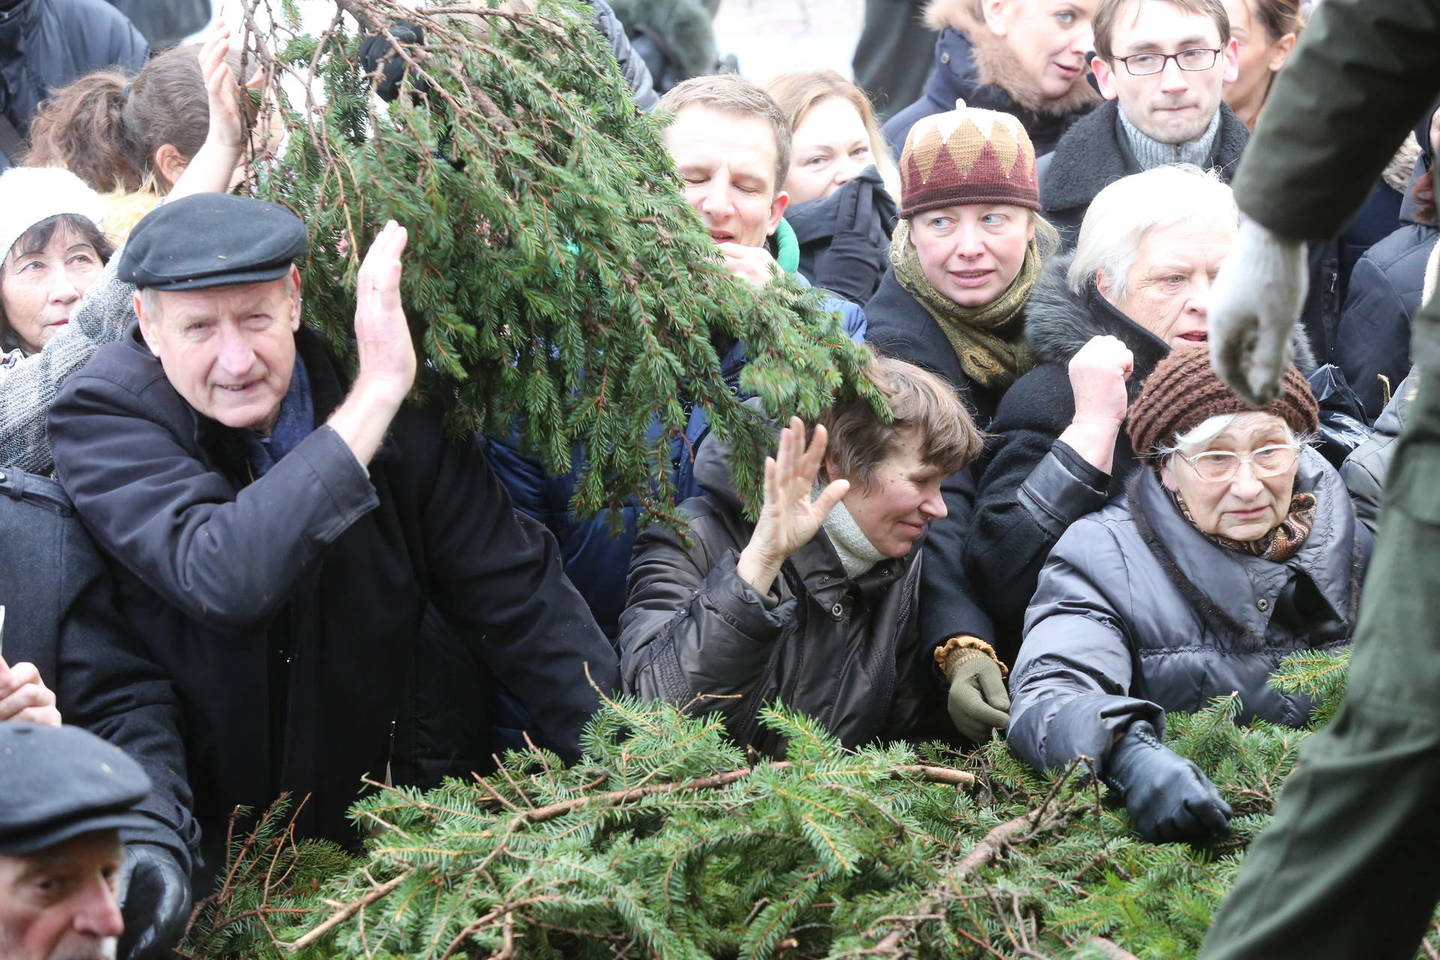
x: 1184, y: 391
x: 967, y: 155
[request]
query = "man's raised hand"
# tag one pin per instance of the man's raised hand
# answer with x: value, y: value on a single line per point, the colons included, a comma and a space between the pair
x: 387, y: 354
x: 382, y: 334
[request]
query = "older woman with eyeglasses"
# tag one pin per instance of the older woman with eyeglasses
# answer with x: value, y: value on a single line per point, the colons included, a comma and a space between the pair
x: 1236, y: 549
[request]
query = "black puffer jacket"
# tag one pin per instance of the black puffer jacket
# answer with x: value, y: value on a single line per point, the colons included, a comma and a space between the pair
x: 48, y: 43
x: 1138, y: 613
x: 845, y: 651
x: 1365, y: 469
x: 845, y: 237
x: 898, y: 326
x: 1033, y: 486
x: 1373, y: 337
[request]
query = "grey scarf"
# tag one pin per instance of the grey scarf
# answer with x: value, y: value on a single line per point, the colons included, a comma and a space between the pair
x: 857, y: 553
x: 1152, y: 153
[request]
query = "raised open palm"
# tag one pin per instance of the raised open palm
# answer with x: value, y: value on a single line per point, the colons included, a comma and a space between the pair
x: 789, y: 518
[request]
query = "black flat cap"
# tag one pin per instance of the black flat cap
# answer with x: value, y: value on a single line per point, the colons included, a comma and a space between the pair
x: 57, y: 783
x: 211, y: 240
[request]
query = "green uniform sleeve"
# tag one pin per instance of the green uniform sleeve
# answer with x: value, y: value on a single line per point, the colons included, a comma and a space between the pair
x: 1362, y: 74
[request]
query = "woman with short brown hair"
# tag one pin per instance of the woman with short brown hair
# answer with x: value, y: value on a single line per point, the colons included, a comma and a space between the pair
x: 814, y: 605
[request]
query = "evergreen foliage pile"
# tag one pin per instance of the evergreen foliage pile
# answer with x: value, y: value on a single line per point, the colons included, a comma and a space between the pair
x: 555, y: 277
x: 666, y: 840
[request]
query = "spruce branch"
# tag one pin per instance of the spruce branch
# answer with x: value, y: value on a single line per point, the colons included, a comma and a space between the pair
x: 345, y: 913
x: 560, y: 289
x: 1111, y: 950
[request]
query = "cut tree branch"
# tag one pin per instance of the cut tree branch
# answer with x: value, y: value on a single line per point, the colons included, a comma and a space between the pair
x: 344, y: 913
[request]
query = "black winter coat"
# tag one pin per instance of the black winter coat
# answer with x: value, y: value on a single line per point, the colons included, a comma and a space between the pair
x: 60, y: 615
x: 898, y: 326
x: 846, y: 652
x: 46, y: 44
x: 845, y: 237
x: 1384, y: 294
x: 1032, y: 485
x: 288, y: 609
x: 1365, y: 470
x: 1130, y: 620
x: 1094, y: 153
x: 955, y: 76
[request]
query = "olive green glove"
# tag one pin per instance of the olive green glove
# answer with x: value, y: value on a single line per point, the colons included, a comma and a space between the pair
x: 978, y: 702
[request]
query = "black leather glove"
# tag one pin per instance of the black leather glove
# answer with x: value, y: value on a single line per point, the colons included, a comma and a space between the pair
x: 375, y: 49
x: 1168, y: 797
x: 155, y: 902
x: 858, y: 255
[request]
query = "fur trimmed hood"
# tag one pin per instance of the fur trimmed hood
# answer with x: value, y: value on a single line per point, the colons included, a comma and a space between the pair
x: 1059, y: 321
x: 997, y: 66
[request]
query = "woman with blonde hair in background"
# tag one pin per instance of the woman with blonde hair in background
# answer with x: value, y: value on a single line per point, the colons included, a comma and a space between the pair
x: 842, y: 182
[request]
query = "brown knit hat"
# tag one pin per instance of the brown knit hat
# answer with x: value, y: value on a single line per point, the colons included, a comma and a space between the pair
x: 967, y: 155
x: 1183, y: 392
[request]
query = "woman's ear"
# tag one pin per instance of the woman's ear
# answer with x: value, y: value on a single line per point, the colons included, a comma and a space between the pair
x: 169, y: 164
x: 1280, y: 52
x: 1167, y: 479
x: 995, y: 13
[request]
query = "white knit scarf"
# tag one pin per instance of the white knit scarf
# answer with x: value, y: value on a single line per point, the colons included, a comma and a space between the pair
x: 857, y: 553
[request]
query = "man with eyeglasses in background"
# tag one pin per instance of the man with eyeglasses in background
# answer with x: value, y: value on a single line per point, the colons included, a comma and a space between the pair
x: 1161, y: 65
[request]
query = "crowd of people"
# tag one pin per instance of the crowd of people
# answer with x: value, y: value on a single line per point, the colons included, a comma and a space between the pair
x: 232, y: 569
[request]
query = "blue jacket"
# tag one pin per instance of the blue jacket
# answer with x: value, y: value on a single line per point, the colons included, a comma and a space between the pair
x: 596, y: 560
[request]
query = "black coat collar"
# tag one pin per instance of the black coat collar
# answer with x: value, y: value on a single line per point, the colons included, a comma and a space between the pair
x: 1058, y: 322
x: 1094, y: 153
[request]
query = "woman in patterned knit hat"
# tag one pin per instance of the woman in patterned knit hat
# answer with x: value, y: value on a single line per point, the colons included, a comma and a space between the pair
x: 964, y: 258
x: 965, y: 255
x: 1238, y: 547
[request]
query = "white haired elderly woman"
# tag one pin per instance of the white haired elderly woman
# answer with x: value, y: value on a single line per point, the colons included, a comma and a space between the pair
x: 1099, y: 321
x: 1238, y: 548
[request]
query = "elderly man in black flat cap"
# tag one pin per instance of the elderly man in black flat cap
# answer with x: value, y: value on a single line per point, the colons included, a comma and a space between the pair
x: 65, y: 795
x: 312, y: 560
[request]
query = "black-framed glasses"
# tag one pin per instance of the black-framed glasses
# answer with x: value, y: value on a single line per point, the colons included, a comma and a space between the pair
x: 1220, y: 466
x: 1149, y: 64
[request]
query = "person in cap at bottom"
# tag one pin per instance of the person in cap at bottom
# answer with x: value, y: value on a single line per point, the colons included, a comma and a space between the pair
x: 282, y: 537
x: 65, y: 795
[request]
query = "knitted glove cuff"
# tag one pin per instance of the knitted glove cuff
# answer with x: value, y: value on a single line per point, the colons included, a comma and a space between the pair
x: 960, y: 649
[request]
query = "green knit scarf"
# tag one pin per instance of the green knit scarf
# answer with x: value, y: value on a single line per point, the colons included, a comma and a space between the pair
x: 988, y: 341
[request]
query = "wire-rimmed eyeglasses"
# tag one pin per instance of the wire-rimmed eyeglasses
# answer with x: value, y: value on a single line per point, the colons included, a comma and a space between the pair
x: 1149, y: 64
